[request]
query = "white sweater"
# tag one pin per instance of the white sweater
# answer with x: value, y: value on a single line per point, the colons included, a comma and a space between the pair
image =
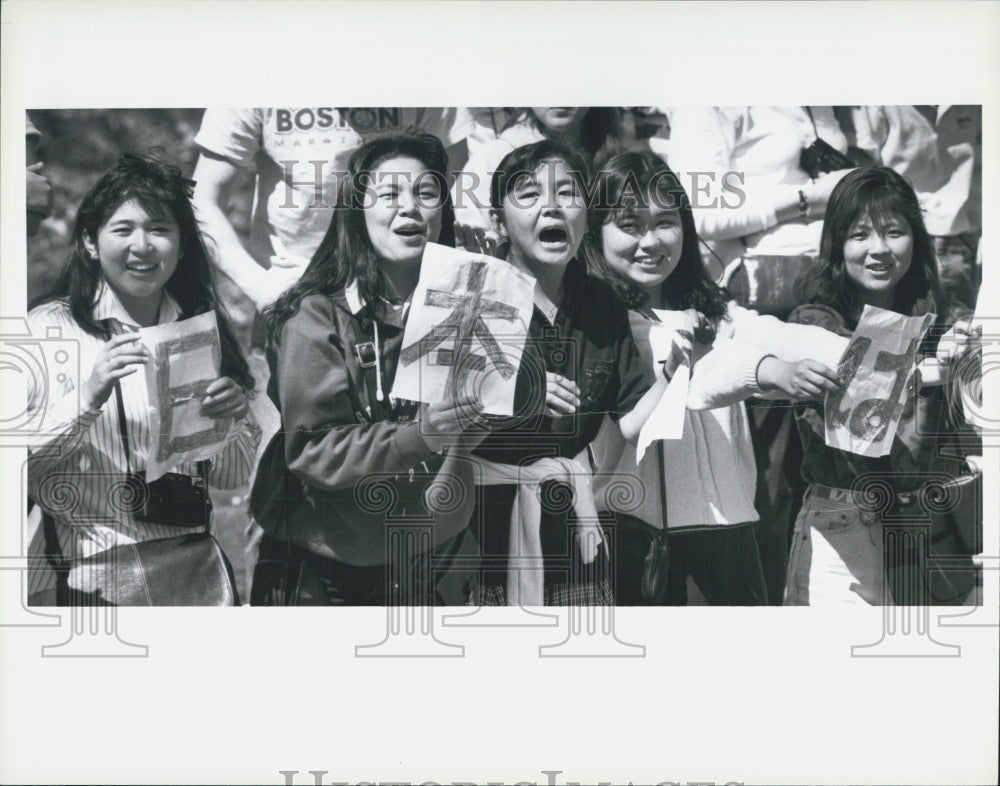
x: 709, y: 474
x: 760, y: 145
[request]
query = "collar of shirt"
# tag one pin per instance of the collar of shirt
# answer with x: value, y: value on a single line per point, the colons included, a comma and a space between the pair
x: 388, y: 313
x: 574, y: 279
x: 546, y: 307
x: 108, y: 306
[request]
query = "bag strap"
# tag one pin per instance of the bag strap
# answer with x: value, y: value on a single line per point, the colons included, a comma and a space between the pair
x: 371, y: 385
x: 661, y: 454
x: 378, y: 410
x: 58, y: 561
x: 123, y: 426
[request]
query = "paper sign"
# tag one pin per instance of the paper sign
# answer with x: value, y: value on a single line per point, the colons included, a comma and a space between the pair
x: 875, y: 371
x: 185, y: 360
x: 663, y: 343
x: 466, y: 330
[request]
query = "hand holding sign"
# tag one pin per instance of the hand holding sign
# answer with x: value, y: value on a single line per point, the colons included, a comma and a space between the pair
x: 466, y: 330
x: 875, y: 372
x: 963, y: 337
x: 224, y: 399
x: 805, y: 379
x: 562, y: 396
x: 182, y: 373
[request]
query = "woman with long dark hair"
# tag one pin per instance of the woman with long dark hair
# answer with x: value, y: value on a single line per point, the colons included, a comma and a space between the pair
x: 875, y: 251
x: 699, y: 489
x: 345, y: 445
x: 138, y: 260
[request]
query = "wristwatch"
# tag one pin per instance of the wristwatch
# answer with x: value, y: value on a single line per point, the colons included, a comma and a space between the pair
x: 803, y: 205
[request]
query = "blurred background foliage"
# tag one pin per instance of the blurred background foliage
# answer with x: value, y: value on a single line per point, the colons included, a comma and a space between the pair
x: 79, y: 145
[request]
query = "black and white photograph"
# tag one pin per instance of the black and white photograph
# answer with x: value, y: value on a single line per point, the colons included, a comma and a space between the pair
x: 548, y: 395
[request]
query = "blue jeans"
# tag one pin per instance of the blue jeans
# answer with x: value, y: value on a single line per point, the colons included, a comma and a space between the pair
x: 837, y: 555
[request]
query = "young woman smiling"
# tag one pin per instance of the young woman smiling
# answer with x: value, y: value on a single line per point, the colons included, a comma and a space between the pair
x: 138, y: 260
x: 876, y: 251
x: 700, y: 488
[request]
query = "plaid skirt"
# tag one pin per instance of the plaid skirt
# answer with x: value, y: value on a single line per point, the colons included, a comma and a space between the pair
x: 591, y: 593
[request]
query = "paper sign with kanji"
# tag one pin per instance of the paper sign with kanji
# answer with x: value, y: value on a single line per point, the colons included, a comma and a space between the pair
x: 875, y: 371
x: 185, y: 360
x: 466, y: 330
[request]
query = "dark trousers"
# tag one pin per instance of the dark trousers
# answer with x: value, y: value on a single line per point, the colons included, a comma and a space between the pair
x: 723, y: 561
x: 289, y: 576
x: 778, y: 454
x: 630, y: 541
x: 564, y: 568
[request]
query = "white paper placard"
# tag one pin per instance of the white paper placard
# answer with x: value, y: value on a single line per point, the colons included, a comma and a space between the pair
x: 466, y: 330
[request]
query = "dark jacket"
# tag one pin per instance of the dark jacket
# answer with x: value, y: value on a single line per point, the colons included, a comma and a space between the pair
x: 344, y: 467
x: 923, y: 424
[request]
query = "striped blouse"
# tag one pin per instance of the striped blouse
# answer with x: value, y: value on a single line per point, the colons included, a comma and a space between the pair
x: 76, y: 463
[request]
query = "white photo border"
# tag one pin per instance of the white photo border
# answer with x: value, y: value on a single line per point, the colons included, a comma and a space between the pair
x: 746, y: 695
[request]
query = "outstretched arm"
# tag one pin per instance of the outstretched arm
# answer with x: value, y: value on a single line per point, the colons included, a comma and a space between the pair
x: 216, y: 176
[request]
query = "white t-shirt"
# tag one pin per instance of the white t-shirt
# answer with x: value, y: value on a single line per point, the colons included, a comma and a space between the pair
x: 308, y: 147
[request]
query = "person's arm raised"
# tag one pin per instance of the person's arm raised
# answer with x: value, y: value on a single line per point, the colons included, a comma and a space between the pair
x: 216, y: 177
